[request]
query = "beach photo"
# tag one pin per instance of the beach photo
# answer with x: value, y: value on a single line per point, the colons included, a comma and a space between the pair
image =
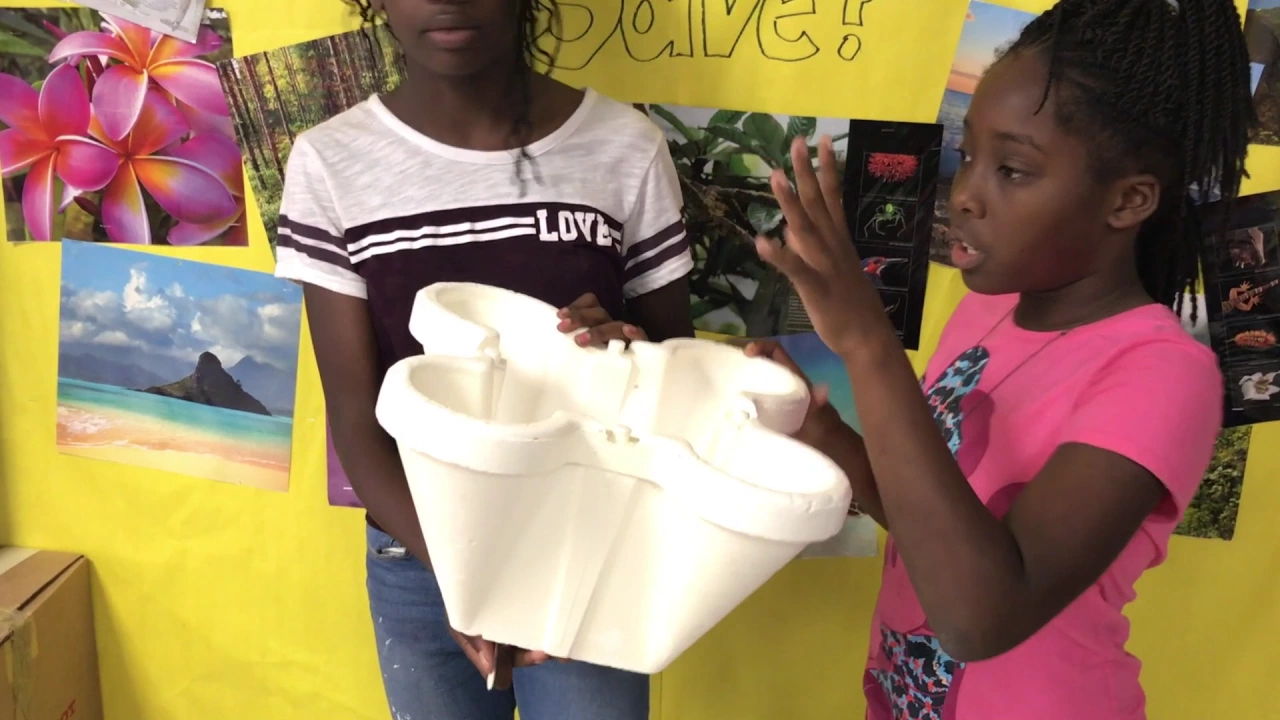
x: 988, y: 30
x: 1262, y: 33
x: 115, y: 133
x: 278, y: 94
x: 724, y: 159
x: 176, y: 365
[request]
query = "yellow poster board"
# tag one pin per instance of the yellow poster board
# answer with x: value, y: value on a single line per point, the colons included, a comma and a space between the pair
x: 215, y: 601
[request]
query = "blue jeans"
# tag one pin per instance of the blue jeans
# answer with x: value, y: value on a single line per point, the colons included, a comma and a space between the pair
x: 427, y: 676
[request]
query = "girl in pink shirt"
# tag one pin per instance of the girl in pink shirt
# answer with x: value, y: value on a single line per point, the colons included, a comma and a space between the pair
x: 1067, y: 417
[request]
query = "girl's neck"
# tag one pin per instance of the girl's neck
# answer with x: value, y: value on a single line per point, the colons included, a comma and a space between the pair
x: 475, y: 112
x: 1085, y: 301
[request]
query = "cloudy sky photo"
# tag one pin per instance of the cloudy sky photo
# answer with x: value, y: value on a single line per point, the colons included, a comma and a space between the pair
x: 135, y: 319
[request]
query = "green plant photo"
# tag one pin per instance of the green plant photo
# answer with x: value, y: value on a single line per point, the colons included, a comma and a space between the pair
x: 724, y: 159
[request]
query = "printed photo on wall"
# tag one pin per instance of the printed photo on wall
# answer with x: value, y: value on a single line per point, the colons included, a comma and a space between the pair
x: 178, y: 366
x: 988, y: 29
x: 278, y: 94
x: 1213, y: 510
x: 341, y: 494
x: 1262, y: 32
x: 1212, y: 513
x: 1241, y: 265
x: 110, y: 132
x: 890, y: 184
x: 724, y: 159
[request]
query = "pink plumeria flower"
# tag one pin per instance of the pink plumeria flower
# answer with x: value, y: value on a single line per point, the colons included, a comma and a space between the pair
x: 188, y: 191
x: 203, y: 123
x: 46, y: 139
x: 144, y: 57
x: 220, y: 155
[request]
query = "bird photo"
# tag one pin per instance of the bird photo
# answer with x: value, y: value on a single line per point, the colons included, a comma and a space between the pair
x: 875, y: 267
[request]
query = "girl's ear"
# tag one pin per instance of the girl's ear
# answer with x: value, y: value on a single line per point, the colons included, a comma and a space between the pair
x: 1136, y: 198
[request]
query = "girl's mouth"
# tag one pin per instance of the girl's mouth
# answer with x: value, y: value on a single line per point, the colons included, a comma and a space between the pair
x: 452, y: 38
x: 964, y: 256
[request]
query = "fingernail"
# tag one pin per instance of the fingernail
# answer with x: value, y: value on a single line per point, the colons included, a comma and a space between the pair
x: 582, y: 339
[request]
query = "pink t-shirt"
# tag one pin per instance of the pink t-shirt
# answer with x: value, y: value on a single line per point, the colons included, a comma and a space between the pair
x: 1136, y: 384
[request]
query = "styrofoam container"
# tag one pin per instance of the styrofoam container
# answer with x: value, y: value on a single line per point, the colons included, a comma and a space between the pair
x: 603, y: 505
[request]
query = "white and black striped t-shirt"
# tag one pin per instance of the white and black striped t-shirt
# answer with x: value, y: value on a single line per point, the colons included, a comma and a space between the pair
x: 376, y: 210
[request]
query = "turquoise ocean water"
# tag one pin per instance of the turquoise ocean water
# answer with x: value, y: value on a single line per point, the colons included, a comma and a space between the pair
x: 230, y: 425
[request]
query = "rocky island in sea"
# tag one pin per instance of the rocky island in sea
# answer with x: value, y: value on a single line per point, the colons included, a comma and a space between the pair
x: 211, y: 385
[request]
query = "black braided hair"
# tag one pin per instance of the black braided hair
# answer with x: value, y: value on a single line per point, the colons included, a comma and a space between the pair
x: 529, y: 55
x: 1160, y: 87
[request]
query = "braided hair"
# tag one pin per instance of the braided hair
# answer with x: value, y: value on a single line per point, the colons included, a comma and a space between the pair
x: 528, y: 57
x: 1161, y: 86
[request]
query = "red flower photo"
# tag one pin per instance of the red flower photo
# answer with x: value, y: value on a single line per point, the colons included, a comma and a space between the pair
x: 892, y: 167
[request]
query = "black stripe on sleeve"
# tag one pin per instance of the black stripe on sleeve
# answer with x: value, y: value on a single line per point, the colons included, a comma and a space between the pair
x: 311, y: 232
x: 654, y: 241
x: 658, y: 259
x: 334, y: 257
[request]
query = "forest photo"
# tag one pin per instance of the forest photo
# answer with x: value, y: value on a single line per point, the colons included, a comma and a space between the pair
x: 1213, y: 512
x: 114, y: 133
x: 724, y: 158
x: 278, y: 94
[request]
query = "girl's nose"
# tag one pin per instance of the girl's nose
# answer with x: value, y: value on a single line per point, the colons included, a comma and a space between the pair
x: 965, y: 196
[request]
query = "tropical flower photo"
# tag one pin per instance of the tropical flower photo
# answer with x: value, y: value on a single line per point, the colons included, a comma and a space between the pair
x: 111, y: 132
x: 1259, y: 386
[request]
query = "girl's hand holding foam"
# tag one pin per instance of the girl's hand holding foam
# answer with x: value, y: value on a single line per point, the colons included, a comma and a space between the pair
x: 825, y: 431
x: 822, y: 419
x: 586, y: 313
x: 818, y: 256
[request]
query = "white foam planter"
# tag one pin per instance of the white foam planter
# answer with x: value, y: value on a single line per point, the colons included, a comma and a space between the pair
x: 604, y: 505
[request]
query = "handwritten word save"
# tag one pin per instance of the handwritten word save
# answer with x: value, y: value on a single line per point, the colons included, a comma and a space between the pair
x: 652, y: 29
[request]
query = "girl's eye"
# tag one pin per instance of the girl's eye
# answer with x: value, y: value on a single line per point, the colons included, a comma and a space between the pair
x: 964, y: 156
x: 1011, y: 173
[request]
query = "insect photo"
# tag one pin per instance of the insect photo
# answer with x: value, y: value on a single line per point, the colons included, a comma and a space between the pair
x: 887, y: 220
x: 1249, y: 340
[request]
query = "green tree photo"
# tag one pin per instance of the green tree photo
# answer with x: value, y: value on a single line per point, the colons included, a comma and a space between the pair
x: 278, y: 94
x: 1213, y: 511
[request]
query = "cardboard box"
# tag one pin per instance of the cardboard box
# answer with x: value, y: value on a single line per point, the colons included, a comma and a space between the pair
x: 48, y: 657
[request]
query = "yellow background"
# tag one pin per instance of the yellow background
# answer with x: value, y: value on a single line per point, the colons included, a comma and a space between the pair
x: 217, y: 602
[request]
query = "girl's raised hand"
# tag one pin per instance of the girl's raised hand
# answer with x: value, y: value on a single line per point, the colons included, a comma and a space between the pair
x: 818, y: 256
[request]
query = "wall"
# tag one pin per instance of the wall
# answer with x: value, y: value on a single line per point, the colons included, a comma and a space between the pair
x: 214, y: 601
